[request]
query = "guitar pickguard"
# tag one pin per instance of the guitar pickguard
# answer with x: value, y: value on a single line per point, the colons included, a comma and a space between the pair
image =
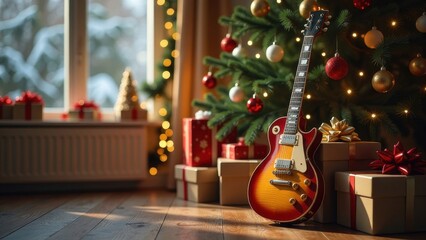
x: 298, y: 155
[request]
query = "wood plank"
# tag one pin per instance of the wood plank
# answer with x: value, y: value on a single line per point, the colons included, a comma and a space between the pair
x: 87, y: 221
x: 139, y: 217
x: 189, y: 220
x: 58, y: 218
x: 20, y: 215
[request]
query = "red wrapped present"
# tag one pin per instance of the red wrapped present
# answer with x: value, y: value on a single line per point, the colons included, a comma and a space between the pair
x: 85, y: 110
x: 197, y: 184
x: 242, y: 151
x: 6, y: 108
x: 200, y: 146
x: 28, y: 106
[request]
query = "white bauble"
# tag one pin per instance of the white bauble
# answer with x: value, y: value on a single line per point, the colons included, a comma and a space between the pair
x: 236, y: 94
x: 239, y: 51
x: 274, y: 53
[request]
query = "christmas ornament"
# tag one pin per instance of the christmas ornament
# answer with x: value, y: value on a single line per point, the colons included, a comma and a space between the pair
x: 307, y: 6
x: 383, y: 81
x: 254, y: 104
x: 259, y: 8
x: 236, y: 93
x: 399, y: 161
x: 338, y: 130
x: 373, y: 38
x: 336, y: 67
x: 362, y: 4
x: 228, y: 44
x: 274, y: 53
x: 421, y: 23
x: 417, y: 66
x: 239, y: 51
x: 209, y: 81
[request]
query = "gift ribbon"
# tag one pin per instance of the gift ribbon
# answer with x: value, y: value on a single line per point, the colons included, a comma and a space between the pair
x: 185, y: 184
x: 28, y: 98
x: 134, y: 113
x: 81, y: 105
x: 352, y: 201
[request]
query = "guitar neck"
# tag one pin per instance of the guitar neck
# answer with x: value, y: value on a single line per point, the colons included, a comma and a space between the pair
x: 296, y: 99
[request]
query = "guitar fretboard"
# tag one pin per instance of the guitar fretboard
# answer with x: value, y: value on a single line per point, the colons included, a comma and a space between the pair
x: 296, y: 99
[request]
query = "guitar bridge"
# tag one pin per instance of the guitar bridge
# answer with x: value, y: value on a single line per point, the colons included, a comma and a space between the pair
x: 283, y: 167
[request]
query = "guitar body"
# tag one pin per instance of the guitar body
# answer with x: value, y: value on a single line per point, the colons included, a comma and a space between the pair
x: 284, y: 203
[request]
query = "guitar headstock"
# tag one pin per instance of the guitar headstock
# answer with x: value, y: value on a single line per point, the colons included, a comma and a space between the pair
x: 316, y: 22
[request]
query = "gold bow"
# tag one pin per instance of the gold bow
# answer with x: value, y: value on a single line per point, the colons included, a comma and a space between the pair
x: 339, y: 130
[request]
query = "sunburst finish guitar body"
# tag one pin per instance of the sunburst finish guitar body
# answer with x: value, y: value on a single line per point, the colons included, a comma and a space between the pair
x: 287, y: 186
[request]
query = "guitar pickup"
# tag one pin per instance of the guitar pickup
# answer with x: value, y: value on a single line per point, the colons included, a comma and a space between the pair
x: 288, y: 139
x: 283, y: 164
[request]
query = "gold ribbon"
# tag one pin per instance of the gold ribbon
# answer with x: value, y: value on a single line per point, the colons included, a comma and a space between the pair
x: 338, y: 131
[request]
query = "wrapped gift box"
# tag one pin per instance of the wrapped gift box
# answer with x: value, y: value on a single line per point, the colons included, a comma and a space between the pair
x: 234, y: 176
x: 333, y: 157
x: 134, y: 114
x: 201, y: 148
x: 381, y: 203
x: 241, y: 151
x: 28, y: 111
x: 6, y: 108
x: 83, y: 114
x: 197, y: 184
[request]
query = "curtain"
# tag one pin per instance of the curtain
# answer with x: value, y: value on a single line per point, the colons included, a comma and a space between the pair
x: 200, y: 36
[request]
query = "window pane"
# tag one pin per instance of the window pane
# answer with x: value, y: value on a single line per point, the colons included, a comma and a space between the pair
x: 117, y: 39
x: 31, y: 49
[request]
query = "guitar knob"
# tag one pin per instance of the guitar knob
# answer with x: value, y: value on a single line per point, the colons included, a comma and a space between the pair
x: 295, y: 186
x: 303, y: 197
x: 292, y: 201
x: 327, y: 23
x: 307, y: 182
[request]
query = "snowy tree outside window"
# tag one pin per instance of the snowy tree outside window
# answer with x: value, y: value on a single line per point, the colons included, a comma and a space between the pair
x: 32, y: 48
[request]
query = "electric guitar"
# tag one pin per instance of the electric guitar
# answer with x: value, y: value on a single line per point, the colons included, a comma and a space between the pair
x: 287, y: 186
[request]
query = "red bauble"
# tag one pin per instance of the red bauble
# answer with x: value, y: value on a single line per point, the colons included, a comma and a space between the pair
x: 209, y: 81
x: 362, y: 4
x: 228, y: 44
x: 254, y: 104
x: 336, y: 67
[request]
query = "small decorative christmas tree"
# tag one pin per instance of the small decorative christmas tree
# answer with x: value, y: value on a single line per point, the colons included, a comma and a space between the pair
x: 127, y: 106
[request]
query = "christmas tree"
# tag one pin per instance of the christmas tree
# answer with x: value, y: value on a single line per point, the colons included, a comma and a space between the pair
x: 367, y: 68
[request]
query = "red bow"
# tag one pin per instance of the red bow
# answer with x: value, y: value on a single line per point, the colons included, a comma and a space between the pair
x: 399, y: 161
x: 80, y: 105
x: 6, y: 100
x: 29, y: 97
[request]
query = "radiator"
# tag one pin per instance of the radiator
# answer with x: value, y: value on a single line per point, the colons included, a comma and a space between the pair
x: 72, y: 152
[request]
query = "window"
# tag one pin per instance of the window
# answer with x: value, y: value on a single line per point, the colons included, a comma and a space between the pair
x: 32, y: 38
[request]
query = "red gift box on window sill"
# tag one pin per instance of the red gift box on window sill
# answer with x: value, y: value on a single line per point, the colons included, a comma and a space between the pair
x: 241, y: 151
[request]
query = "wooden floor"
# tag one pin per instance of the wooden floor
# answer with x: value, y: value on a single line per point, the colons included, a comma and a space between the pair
x: 148, y: 214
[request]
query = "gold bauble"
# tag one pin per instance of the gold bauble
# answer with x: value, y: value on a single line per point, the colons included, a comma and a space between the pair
x: 383, y: 81
x: 417, y: 66
x: 307, y: 6
x: 259, y: 8
x: 373, y: 38
x: 421, y: 23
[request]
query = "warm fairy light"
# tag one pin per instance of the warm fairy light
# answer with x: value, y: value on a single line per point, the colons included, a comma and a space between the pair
x: 163, y: 157
x: 176, y: 36
x: 257, y: 55
x: 175, y: 53
x: 265, y: 94
x: 354, y: 34
x: 308, y: 96
x: 143, y: 105
x: 163, y: 136
x: 168, y: 25
x: 153, y: 171
x: 298, y: 39
x: 160, y: 151
x: 171, y: 149
x: 162, y: 144
x: 170, y: 143
x: 169, y: 132
x: 373, y: 115
x: 406, y: 111
x: 170, y: 11
x: 349, y: 91
x: 323, y: 54
x: 361, y: 73
x: 308, y: 116
x: 249, y: 42
x: 162, y: 112
x: 393, y: 23
x: 167, y: 62
x: 278, y: 1
x: 166, y: 125
x: 166, y: 74
x: 164, y: 43
x: 161, y: 2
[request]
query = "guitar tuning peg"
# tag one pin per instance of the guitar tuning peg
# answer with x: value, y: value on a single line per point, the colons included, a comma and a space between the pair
x: 325, y: 29
x: 329, y: 16
x: 327, y: 23
x: 303, y: 31
x: 306, y: 25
